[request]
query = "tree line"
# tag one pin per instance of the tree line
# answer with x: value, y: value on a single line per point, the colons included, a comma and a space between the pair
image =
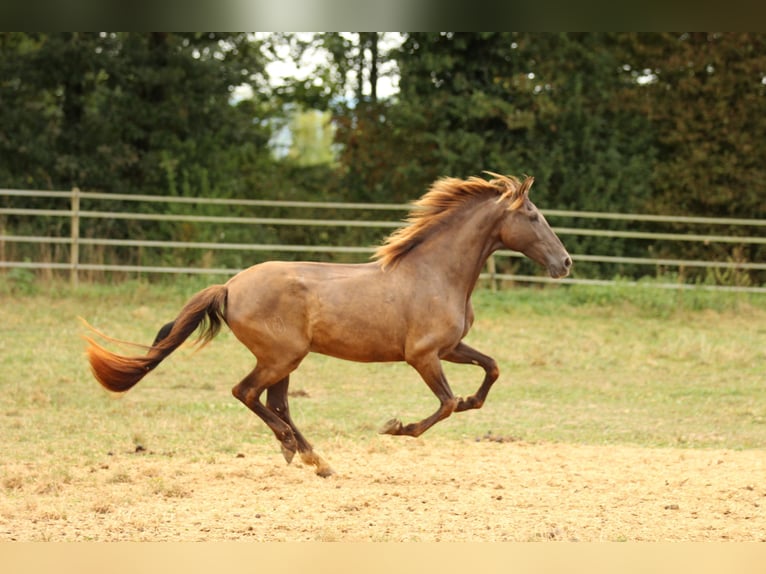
x: 670, y: 123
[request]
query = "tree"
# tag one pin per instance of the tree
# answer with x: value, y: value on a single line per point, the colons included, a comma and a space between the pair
x: 119, y: 111
x: 449, y: 118
x: 346, y: 84
x: 312, y: 135
x: 705, y: 96
x: 132, y: 113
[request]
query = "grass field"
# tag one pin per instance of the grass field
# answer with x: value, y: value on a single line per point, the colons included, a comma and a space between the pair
x: 587, y: 365
x: 594, y: 368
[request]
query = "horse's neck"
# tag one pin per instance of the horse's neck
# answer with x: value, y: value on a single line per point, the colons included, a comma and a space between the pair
x: 459, y: 250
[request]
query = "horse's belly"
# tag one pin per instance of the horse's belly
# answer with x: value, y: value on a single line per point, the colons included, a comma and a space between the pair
x: 356, y: 347
x: 350, y: 354
x: 369, y: 336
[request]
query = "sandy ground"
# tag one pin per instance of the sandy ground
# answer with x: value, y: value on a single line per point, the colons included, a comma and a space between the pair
x: 389, y: 489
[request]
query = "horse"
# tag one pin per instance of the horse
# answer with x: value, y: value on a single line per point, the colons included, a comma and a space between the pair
x: 411, y: 302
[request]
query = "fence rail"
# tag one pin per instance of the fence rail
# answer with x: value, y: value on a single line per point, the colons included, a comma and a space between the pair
x: 75, y: 215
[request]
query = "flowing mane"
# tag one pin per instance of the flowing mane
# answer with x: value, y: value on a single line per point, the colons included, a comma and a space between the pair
x: 446, y: 196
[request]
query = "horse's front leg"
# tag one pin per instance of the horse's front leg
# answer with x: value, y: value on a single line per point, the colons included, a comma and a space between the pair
x: 468, y: 355
x: 431, y: 370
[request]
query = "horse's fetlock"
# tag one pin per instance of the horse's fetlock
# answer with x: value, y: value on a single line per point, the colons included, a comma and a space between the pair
x: 286, y: 437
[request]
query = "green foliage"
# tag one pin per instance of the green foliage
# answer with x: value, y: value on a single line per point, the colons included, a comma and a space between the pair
x: 312, y: 138
x: 647, y: 299
x: 118, y: 109
x: 605, y: 122
x: 706, y: 100
x: 19, y: 281
x: 667, y: 123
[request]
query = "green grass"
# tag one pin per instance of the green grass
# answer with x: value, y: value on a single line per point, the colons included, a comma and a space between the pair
x: 593, y: 365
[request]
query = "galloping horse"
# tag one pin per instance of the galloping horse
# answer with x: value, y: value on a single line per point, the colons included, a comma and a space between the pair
x: 411, y: 303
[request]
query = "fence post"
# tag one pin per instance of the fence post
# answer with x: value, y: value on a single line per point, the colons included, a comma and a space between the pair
x: 74, y: 257
x: 491, y: 267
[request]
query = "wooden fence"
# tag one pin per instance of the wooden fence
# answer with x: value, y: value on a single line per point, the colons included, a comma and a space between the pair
x: 70, y: 208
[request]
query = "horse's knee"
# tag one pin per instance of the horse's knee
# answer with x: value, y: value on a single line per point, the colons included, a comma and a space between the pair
x: 239, y: 392
x: 243, y: 393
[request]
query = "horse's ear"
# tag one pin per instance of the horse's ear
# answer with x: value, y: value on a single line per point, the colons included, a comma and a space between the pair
x: 525, y: 186
x: 518, y: 194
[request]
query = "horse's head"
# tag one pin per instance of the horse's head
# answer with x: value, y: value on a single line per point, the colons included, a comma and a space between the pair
x: 525, y: 229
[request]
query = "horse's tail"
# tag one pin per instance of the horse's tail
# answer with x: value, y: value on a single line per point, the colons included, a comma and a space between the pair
x: 119, y: 373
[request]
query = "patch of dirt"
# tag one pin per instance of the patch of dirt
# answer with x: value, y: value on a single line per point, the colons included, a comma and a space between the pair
x: 394, y: 489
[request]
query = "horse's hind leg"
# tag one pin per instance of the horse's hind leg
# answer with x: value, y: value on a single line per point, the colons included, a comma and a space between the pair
x: 276, y: 400
x: 249, y: 391
x: 468, y: 355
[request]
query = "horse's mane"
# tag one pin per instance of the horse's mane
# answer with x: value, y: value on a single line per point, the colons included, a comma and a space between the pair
x: 445, y: 196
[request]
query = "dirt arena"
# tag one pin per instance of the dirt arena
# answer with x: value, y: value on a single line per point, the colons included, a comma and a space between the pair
x: 389, y: 489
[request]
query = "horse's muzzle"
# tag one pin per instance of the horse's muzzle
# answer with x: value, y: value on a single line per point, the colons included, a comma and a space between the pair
x: 561, y: 268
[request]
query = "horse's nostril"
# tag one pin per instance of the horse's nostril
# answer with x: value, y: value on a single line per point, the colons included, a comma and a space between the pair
x: 568, y: 262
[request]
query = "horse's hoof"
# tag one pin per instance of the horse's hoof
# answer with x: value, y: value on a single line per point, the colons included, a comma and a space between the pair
x: 288, y: 454
x: 322, y: 468
x: 394, y: 426
x: 324, y: 471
